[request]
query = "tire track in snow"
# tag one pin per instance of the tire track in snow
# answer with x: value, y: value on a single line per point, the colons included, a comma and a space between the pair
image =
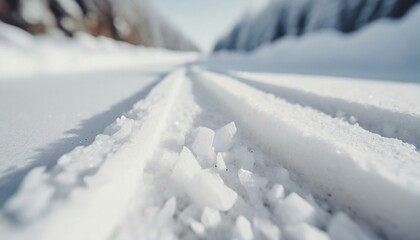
x: 95, y: 206
x: 165, y: 210
x: 374, y: 177
x: 262, y: 184
x: 387, y: 122
x: 131, y: 192
x: 151, y: 214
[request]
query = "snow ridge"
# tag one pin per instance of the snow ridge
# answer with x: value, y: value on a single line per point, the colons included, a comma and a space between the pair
x: 384, y: 111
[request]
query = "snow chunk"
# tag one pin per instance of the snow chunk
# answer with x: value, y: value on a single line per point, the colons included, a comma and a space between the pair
x: 186, y: 167
x: 208, y: 189
x: 267, y: 229
x: 203, y: 143
x: 220, y: 162
x: 253, y: 184
x: 305, y: 232
x: 295, y: 210
x: 342, y: 227
x: 243, y: 229
x: 223, y: 139
x: 210, y: 218
x: 276, y: 194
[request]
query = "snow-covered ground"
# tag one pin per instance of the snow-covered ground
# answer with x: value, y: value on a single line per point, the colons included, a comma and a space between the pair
x: 29, y: 56
x: 56, y: 94
x: 157, y: 147
x: 277, y: 19
x: 39, y: 112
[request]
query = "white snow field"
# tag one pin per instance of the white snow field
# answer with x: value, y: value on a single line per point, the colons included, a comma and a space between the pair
x: 102, y: 140
x: 57, y: 94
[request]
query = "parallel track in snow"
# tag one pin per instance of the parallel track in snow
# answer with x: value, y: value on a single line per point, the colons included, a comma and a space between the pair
x: 95, y: 209
x: 376, y: 177
x: 385, y: 111
x: 290, y: 172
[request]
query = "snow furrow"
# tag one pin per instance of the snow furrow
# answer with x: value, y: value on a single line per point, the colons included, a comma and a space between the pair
x: 185, y: 194
x: 382, y: 108
x: 152, y: 211
x: 177, y: 167
x: 373, y: 177
x: 86, y: 195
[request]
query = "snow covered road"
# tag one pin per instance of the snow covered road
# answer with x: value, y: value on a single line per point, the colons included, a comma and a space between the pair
x: 210, y: 155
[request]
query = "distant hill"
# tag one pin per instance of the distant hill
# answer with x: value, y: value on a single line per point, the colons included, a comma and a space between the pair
x: 280, y: 18
x: 132, y: 21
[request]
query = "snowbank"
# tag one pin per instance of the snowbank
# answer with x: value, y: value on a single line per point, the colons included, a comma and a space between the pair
x: 282, y: 18
x: 385, y: 50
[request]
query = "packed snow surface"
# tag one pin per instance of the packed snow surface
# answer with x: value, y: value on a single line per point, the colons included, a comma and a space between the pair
x: 385, y: 108
x: 119, y: 142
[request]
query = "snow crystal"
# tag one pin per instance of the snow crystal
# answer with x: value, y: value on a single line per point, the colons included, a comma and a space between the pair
x: 295, y: 210
x: 243, y: 229
x: 210, y: 218
x: 223, y: 139
x: 342, y: 227
x: 208, y: 189
x: 186, y: 167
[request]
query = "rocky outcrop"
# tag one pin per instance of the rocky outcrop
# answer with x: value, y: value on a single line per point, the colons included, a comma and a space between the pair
x: 132, y: 21
x: 280, y: 18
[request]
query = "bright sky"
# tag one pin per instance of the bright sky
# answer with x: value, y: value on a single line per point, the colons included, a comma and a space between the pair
x: 203, y: 21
